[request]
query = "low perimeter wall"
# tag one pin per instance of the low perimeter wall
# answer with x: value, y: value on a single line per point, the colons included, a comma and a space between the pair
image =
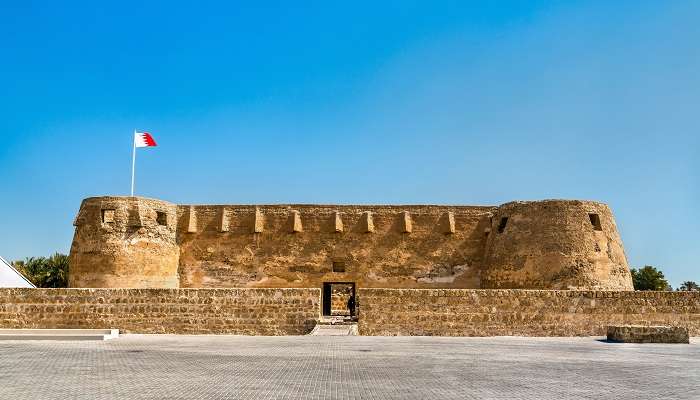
x: 436, y: 312
x: 457, y: 312
x: 196, y: 311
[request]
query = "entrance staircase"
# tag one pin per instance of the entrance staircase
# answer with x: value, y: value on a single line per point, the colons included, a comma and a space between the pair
x: 335, y: 326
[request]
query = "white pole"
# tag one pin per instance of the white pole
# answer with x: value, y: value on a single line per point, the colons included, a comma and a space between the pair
x: 133, y: 163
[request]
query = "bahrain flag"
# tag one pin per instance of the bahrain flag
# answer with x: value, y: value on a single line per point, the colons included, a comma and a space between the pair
x: 143, y: 139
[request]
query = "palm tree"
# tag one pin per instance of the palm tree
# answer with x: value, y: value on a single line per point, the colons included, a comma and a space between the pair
x: 689, y: 286
x: 45, y: 272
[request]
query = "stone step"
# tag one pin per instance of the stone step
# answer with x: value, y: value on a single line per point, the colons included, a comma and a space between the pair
x: 58, y: 334
x: 335, y: 330
x: 337, y: 320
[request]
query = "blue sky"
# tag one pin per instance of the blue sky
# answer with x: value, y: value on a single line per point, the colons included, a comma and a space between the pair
x: 362, y: 102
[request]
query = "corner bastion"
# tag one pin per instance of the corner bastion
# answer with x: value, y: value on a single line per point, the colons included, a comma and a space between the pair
x: 134, y: 242
x: 123, y: 242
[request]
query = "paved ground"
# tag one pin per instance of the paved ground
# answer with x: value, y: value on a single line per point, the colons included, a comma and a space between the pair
x: 347, y: 367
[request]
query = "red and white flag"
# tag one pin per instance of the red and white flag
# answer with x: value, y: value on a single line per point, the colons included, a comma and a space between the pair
x: 144, y: 139
x: 141, y: 139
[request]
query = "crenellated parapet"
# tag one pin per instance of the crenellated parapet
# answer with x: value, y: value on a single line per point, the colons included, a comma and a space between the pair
x: 298, y: 245
x: 150, y: 243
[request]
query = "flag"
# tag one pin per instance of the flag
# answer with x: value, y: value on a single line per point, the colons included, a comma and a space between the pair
x: 143, y: 139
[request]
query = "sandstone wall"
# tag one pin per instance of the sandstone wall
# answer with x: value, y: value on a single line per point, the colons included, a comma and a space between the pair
x: 124, y: 242
x: 339, y: 299
x: 552, y: 244
x: 450, y: 312
x: 297, y: 245
x: 186, y: 311
x: 555, y: 244
x: 444, y: 312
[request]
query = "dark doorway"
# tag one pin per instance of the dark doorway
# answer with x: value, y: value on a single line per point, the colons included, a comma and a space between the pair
x: 335, y: 298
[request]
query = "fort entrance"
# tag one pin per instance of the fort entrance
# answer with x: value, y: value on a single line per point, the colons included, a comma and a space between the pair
x: 335, y: 298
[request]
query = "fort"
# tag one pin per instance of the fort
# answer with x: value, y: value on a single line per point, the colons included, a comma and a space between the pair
x: 131, y: 242
x: 537, y: 268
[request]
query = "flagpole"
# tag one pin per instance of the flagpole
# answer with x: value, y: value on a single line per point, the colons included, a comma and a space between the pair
x: 133, y: 163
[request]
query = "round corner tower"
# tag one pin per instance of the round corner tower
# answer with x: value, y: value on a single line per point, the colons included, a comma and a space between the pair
x: 555, y: 244
x: 124, y: 242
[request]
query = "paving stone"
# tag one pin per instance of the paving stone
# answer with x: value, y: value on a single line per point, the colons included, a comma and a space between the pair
x: 348, y: 367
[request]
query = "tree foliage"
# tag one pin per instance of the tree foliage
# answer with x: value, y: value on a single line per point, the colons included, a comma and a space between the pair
x: 649, y: 278
x: 689, y: 286
x: 45, y: 272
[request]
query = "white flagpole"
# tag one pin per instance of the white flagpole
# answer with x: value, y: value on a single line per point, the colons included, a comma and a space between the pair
x: 133, y: 163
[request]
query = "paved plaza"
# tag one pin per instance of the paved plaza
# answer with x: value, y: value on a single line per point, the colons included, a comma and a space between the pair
x: 347, y: 367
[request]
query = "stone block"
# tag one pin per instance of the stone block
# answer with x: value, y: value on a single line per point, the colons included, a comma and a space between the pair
x: 648, y: 334
x: 294, y: 222
x: 367, y: 222
x: 448, y: 223
x: 134, y: 215
x: 191, y: 220
x: 337, y: 222
x: 258, y: 221
x: 223, y: 220
x: 405, y: 223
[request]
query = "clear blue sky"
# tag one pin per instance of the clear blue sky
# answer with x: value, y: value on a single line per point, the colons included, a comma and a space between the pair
x: 355, y: 102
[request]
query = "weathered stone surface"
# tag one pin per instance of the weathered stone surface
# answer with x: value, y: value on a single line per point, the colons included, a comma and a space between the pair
x: 223, y: 220
x: 513, y: 312
x: 367, y: 222
x: 191, y: 220
x: 540, y: 245
x: 337, y: 222
x: 339, y: 299
x: 553, y: 244
x: 432, y: 312
x: 648, y: 334
x: 406, y: 223
x: 187, y: 311
x: 258, y: 221
x: 448, y: 223
x: 295, y: 222
x: 134, y: 250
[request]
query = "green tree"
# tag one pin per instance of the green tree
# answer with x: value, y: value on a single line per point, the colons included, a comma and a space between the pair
x: 649, y: 278
x: 45, y: 272
x: 689, y: 286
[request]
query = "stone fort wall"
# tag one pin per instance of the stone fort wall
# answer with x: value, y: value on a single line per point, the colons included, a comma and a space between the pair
x: 444, y: 312
x: 413, y: 312
x: 145, y: 243
x: 185, y: 311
